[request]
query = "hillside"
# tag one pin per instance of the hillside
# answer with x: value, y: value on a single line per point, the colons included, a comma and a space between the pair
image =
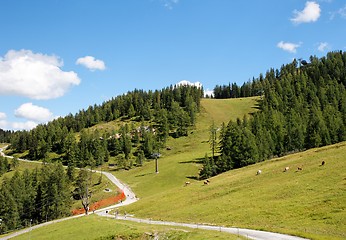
x: 176, y: 165
x: 183, y: 161
x: 302, y: 107
x: 308, y: 203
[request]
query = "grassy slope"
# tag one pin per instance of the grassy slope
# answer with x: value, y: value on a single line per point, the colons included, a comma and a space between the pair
x: 95, y: 227
x: 309, y: 203
x: 182, y: 162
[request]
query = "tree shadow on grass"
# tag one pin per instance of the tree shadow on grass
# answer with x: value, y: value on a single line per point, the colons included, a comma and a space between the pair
x: 193, y: 177
x: 257, y: 105
x: 197, y: 160
x: 144, y: 174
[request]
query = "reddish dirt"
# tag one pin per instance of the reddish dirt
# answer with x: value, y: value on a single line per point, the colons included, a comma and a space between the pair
x: 102, y: 203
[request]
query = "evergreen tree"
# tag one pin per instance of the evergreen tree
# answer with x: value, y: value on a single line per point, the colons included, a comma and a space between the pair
x: 213, y: 138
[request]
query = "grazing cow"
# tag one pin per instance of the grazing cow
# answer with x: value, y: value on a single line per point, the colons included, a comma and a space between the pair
x: 286, y: 169
x: 258, y: 172
x: 323, y: 162
x: 300, y: 168
x: 206, y: 182
x: 187, y: 183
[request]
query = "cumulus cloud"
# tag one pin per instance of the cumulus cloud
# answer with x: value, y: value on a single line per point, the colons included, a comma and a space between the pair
x: 323, y: 46
x: 197, y: 84
x: 34, y: 75
x: 186, y: 82
x: 208, y: 92
x: 2, y: 116
x: 91, y: 63
x: 3, y: 124
x: 289, y: 47
x: 310, y: 13
x: 28, y: 125
x: 33, y: 113
x: 341, y: 12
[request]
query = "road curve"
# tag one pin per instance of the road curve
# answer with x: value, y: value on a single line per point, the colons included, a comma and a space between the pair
x: 131, y: 198
x: 248, y: 233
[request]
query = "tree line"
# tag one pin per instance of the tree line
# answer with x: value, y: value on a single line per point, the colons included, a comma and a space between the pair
x: 248, y: 89
x: 303, y: 107
x: 154, y: 116
x: 33, y: 197
x: 5, y: 135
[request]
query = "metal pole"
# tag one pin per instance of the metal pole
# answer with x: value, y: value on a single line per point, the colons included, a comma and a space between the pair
x: 156, y: 165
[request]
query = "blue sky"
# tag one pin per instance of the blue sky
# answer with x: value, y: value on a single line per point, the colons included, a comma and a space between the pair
x: 60, y: 56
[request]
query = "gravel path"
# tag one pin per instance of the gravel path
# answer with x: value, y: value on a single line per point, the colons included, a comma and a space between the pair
x: 131, y: 198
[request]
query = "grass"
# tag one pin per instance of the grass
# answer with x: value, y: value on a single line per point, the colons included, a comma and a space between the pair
x: 95, y: 227
x: 182, y: 162
x: 222, y: 110
x: 21, y: 167
x: 3, y: 145
x: 309, y: 203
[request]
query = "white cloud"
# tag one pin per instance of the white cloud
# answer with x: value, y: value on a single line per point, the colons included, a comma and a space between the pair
x: 310, y: 13
x: 2, y: 115
x: 3, y: 124
x: 34, y: 75
x: 28, y: 125
x: 197, y: 84
x: 208, y: 92
x: 341, y: 12
x: 323, y: 46
x: 169, y: 4
x: 33, y: 113
x: 91, y: 63
x: 289, y: 47
x: 186, y: 82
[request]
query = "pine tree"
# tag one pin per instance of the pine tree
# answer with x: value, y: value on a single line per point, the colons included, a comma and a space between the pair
x: 213, y: 138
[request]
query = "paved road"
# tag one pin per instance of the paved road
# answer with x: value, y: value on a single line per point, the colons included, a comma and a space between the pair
x: 249, y: 233
x: 131, y: 198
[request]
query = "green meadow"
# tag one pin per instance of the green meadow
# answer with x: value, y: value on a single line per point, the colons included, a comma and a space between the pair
x: 308, y: 202
x: 100, y: 228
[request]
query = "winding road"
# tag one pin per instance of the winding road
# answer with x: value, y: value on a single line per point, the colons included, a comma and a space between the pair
x: 131, y: 198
